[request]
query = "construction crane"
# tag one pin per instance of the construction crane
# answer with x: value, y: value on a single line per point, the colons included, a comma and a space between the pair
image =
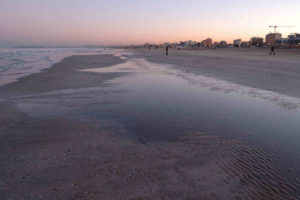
x: 275, y: 27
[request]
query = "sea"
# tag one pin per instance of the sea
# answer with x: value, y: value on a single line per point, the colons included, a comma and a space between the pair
x: 18, y: 62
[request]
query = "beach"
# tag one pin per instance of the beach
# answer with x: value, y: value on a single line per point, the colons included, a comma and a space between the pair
x: 78, y: 130
x: 251, y: 67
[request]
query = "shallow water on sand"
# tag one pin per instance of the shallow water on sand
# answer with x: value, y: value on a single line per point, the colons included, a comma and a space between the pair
x: 154, y: 102
x: 19, y: 62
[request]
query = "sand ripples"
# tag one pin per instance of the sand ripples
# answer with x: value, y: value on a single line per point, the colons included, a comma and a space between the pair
x: 253, y: 169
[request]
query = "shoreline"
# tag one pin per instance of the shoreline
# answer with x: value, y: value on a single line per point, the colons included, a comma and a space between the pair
x: 18, y: 63
x: 64, y: 75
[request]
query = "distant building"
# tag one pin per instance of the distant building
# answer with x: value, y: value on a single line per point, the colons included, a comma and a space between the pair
x: 166, y: 44
x: 273, y: 38
x: 284, y: 41
x: 294, y: 38
x: 215, y: 44
x: 207, y: 42
x: 237, y: 42
x: 192, y: 43
x: 174, y: 45
x: 184, y: 44
x: 245, y: 44
x: 257, y: 41
x: 223, y: 44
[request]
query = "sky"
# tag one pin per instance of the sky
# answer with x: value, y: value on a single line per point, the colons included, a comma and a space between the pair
x: 124, y: 22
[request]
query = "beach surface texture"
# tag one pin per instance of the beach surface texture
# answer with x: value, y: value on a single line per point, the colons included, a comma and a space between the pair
x: 49, y: 151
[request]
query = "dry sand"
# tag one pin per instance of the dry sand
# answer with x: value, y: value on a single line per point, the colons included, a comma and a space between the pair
x: 62, y: 159
x: 249, y: 67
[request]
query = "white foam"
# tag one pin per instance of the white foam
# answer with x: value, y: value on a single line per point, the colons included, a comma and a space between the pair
x: 16, y: 63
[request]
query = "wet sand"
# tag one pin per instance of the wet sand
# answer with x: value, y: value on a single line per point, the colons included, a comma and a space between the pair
x: 249, y: 67
x: 61, y: 159
x: 58, y: 158
x: 65, y: 75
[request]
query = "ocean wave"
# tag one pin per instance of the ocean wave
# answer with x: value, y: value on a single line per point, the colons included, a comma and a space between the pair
x: 21, y: 62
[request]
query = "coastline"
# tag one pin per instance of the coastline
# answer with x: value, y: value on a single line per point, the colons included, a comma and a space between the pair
x: 64, y: 75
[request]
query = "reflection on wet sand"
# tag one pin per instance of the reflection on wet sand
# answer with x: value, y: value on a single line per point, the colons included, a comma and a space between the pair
x: 155, y: 132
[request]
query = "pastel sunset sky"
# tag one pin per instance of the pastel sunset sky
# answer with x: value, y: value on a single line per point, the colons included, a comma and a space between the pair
x: 122, y: 22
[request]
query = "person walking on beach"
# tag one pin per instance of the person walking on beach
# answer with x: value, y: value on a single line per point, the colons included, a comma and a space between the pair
x: 167, y: 50
x: 272, y: 51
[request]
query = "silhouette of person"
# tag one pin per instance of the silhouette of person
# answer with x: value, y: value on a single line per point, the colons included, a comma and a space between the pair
x: 272, y: 51
x: 167, y: 50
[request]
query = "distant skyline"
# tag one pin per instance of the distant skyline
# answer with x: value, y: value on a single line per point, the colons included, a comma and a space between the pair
x: 125, y: 22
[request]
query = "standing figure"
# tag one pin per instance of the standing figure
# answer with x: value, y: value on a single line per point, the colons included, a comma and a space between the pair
x: 272, y: 51
x: 167, y: 50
